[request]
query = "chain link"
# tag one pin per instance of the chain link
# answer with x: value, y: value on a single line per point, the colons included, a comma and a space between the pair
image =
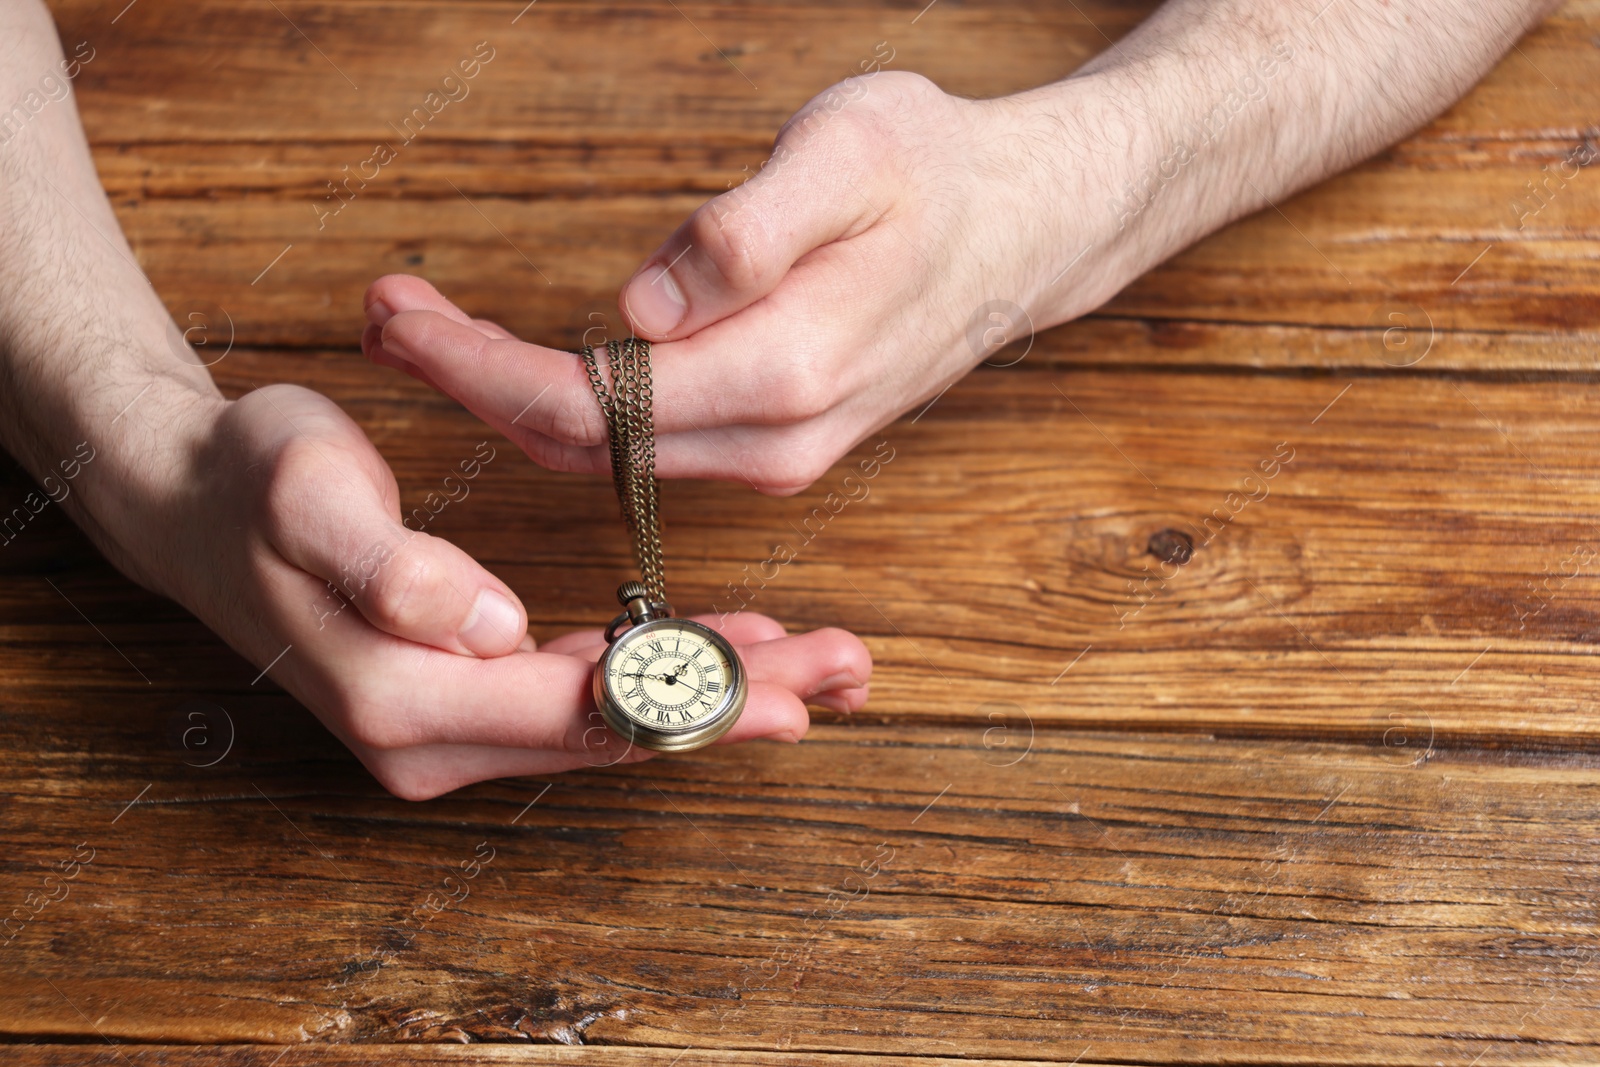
x: 630, y: 424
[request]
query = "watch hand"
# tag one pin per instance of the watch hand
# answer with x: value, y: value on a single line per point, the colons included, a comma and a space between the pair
x: 675, y: 678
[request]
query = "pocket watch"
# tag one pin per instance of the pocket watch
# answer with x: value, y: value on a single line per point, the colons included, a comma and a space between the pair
x: 663, y: 683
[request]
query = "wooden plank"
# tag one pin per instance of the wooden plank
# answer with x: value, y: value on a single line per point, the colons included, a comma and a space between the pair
x: 540, y: 268
x: 995, y: 894
x: 569, y: 71
x: 1407, y: 562
x: 1396, y: 338
x: 208, y: 209
x: 1171, y: 896
x: 428, y: 1055
x: 1407, y: 536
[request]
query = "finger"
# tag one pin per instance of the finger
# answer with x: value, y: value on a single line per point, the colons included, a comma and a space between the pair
x: 383, y: 693
x: 829, y: 666
x: 744, y: 628
x: 778, y: 460
x: 779, y: 422
x: 402, y: 292
x: 414, y: 698
x: 394, y: 293
x: 684, y: 455
x: 769, y: 711
x: 543, y: 701
x: 509, y: 384
x: 428, y: 771
x: 776, y: 423
x: 733, y: 379
x: 531, y: 701
x: 327, y: 518
x: 540, y: 398
x: 585, y: 643
x: 844, y: 700
x: 372, y: 348
x: 493, y: 329
x: 816, y: 188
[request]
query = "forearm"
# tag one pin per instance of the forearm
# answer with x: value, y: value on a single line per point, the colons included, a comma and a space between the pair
x: 90, y: 362
x: 1210, y: 111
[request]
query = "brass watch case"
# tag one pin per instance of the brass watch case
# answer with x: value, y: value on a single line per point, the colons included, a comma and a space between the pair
x: 684, y: 739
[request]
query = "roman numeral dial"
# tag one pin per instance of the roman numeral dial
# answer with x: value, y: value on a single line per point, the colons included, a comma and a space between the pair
x: 671, y: 675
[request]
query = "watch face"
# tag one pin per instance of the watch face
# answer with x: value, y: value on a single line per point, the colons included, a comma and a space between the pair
x: 670, y: 674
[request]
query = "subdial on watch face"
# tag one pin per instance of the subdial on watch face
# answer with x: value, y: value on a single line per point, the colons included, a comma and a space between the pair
x: 670, y: 677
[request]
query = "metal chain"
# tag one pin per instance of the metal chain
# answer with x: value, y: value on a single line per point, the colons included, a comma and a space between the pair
x: 630, y: 424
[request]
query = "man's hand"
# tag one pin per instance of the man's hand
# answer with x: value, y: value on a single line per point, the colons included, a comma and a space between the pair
x: 283, y: 534
x: 276, y: 522
x: 793, y: 315
x: 858, y: 274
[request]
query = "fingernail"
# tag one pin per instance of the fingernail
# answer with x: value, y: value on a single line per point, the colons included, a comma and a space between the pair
x: 492, y: 627
x: 832, y: 703
x: 379, y: 313
x: 395, y: 347
x: 842, y: 680
x: 788, y: 737
x: 655, y: 303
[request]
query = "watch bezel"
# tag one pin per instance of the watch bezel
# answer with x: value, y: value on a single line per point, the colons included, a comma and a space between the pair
x: 668, y: 739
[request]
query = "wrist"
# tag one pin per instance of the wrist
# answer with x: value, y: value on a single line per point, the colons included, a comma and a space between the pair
x: 143, y: 469
x: 1084, y: 150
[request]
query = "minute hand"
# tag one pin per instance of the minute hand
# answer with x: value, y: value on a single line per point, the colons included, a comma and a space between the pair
x: 678, y: 680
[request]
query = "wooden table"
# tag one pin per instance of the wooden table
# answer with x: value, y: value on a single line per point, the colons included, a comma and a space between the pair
x: 1328, y: 795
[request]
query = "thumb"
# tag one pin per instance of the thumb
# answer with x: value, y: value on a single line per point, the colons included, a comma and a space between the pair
x: 814, y: 189
x: 402, y: 581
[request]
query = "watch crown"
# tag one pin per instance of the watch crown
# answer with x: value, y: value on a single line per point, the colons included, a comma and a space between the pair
x: 631, y: 591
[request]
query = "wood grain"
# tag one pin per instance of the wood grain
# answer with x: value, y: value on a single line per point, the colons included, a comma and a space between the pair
x: 1406, y: 560
x: 34, y: 1055
x: 1324, y: 794
x: 1412, y: 530
x: 997, y: 891
x: 217, y: 129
